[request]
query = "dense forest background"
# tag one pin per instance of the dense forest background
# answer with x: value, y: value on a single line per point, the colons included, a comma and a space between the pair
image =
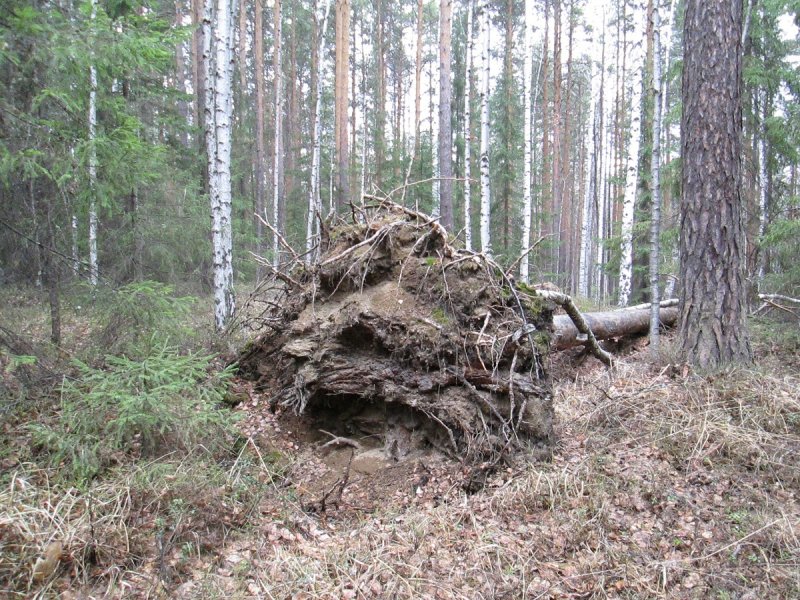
x: 105, y: 173
x: 172, y: 170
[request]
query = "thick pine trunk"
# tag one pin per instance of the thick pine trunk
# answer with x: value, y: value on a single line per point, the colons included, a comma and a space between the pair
x: 713, y: 325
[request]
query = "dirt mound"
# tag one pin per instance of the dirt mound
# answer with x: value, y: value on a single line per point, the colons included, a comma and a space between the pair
x: 394, y: 336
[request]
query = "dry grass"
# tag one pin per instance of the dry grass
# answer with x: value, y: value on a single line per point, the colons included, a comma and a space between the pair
x: 665, y: 485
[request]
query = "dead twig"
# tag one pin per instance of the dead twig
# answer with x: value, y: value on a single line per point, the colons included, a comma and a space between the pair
x: 337, y: 440
x: 568, y: 305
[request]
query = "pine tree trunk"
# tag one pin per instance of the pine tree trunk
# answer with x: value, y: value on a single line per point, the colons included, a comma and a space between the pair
x: 242, y: 54
x: 713, y: 305
x: 198, y: 79
x: 180, y: 78
x: 445, y: 114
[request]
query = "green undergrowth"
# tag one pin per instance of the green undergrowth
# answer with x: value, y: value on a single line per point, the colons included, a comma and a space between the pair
x: 164, y: 402
x: 118, y: 446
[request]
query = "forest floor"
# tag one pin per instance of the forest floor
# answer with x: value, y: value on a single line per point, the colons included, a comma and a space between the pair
x: 663, y: 483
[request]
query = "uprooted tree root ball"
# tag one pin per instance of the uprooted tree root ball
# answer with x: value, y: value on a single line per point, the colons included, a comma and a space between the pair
x: 392, y: 319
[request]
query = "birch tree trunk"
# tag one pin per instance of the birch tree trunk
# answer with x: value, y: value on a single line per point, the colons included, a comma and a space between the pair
x: 655, y: 168
x: 468, y: 128
x: 763, y: 186
x: 436, y: 211
x: 341, y: 101
x: 632, y: 164
x: 218, y: 65
x: 277, y: 158
x: 93, y: 272
x: 260, y: 171
x: 558, y: 184
x: 445, y: 116
x: 485, y: 33
x: 527, y: 75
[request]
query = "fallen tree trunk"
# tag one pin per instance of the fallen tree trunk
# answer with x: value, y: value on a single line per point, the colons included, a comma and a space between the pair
x: 610, y: 324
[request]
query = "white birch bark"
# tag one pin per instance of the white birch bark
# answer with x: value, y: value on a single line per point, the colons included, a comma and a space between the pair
x: 485, y: 35
x: 314, y: 195
x: 527, y: 76
x: 468, y: 132
x: 93, y: 271
x: 655, y: 167
x: 632, y: 163
x: 218, y: 59
x: 435, y: 187
x: 762, y: 188
x: 277, y: 159
x: 76, y: 263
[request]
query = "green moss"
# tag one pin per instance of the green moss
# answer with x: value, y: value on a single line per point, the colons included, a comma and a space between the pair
x: 440, y: 316
x: 430, y: 261
x: 535, y: 305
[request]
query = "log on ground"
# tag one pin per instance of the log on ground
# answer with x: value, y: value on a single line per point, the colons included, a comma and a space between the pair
x: 607, y: 325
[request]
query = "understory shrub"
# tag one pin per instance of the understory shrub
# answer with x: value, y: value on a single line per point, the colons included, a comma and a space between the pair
x: 166, y: 401
x: 139, y: 316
